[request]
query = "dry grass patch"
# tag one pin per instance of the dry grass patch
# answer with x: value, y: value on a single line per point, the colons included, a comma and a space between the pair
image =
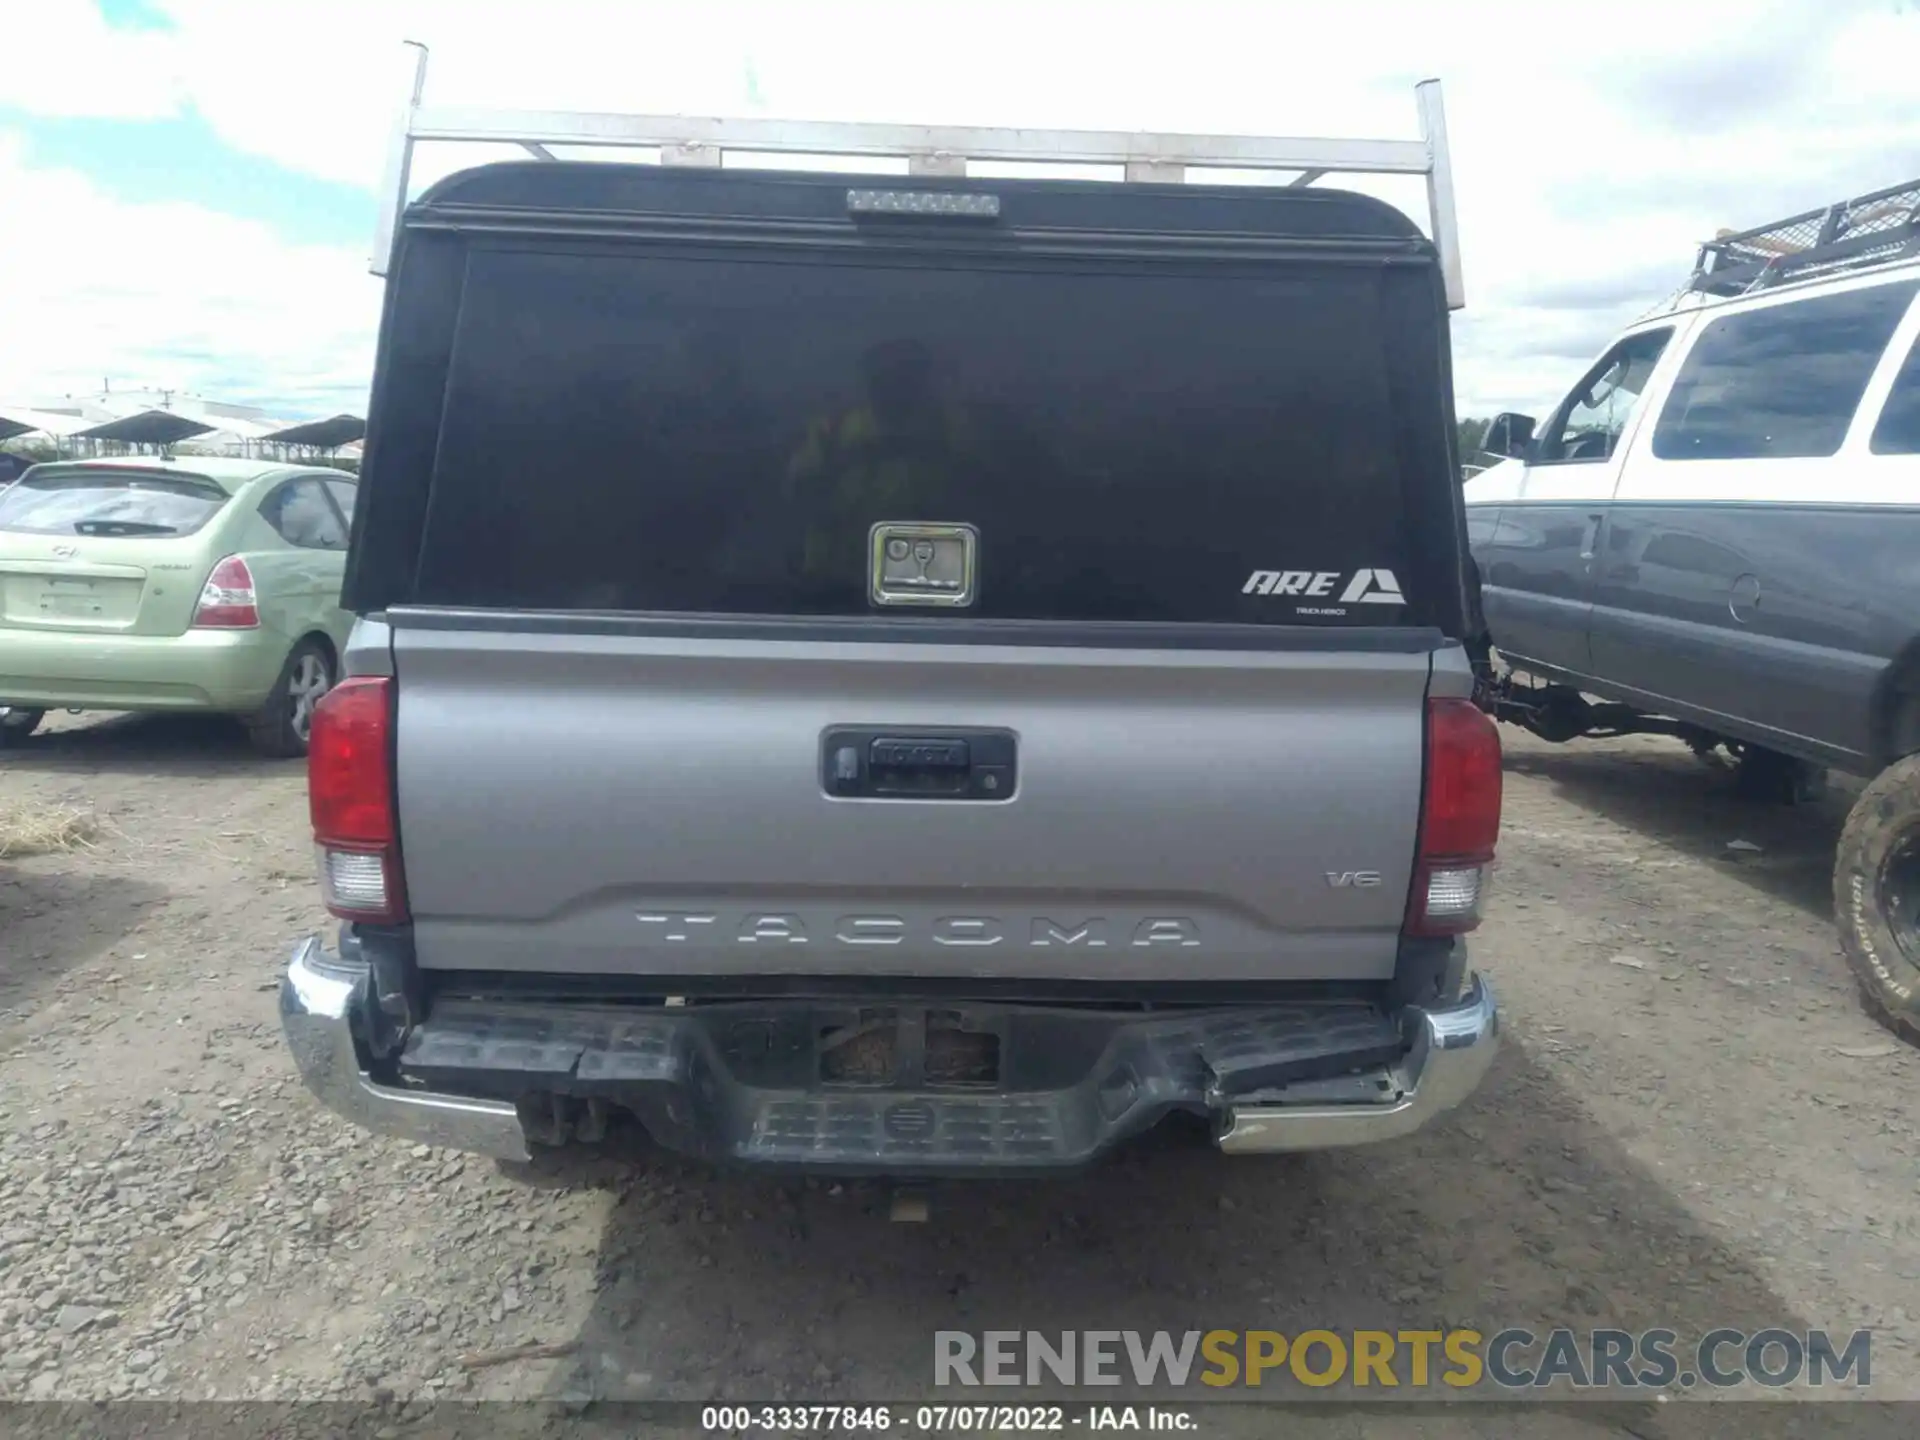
x: 36, y: 829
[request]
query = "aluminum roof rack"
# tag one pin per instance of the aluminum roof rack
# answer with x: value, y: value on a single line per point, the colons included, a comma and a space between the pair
x: 1843, y: 237
x: 932, y: 150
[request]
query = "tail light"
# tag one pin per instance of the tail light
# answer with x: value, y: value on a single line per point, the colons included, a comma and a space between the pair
x: 1459, y: 819
x: 350, y: 796
x: 227, y: 600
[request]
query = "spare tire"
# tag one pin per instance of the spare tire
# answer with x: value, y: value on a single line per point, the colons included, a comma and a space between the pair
x: 1876, y: 896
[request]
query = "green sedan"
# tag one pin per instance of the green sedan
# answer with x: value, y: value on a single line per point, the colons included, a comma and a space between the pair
x: 147, y: 583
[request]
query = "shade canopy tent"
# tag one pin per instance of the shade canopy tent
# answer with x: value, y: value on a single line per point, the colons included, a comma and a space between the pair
x: 227, y: 436
x: 16, y: 420
x: 148, y: 427
x: 163, y: 419
x: 329, y: 434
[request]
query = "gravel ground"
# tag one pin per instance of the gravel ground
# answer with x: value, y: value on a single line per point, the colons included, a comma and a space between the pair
x: 1693, y: 1124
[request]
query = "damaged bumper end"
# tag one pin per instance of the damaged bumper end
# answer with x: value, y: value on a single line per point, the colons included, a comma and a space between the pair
x: 1050, y: 1087
x: 1450, y: 1051
x: 320, y: 1004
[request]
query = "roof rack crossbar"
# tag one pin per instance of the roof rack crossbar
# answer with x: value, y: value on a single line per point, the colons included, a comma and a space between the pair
x: 1842, y: 238
x: 929, y: 150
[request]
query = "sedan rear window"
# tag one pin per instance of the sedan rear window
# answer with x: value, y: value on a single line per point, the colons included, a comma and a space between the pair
x: 96, y: 502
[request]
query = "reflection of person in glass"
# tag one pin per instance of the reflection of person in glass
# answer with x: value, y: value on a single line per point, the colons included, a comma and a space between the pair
x: 899, y: 455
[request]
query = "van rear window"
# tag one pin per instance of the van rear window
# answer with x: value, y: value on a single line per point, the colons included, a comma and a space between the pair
x: 719, y: 435
x: 108, y: 502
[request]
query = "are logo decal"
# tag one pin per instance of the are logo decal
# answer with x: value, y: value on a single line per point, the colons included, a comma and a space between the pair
x: 1363, y: 587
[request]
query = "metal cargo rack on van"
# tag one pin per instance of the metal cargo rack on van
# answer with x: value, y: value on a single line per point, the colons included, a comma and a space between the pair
x: 1837, y: 239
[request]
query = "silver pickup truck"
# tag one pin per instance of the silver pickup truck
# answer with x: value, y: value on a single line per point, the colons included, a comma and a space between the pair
x: 903, y: 676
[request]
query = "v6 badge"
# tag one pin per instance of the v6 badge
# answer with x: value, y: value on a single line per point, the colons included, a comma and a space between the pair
x: 920, y: 564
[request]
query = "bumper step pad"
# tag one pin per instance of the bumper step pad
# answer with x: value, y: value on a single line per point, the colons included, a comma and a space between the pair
x: 743, y: 1081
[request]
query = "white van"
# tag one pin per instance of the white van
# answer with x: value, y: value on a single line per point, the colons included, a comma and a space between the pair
x: 1716, y: 534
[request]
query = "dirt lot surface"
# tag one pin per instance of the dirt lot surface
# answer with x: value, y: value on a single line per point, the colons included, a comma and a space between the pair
x: 1692, y: 1124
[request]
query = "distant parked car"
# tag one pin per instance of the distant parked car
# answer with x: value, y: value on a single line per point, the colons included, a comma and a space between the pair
x: 12, y: 467
x: 153, y: 584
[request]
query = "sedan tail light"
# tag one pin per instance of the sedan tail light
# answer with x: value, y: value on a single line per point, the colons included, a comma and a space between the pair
x: 1459, y: 819
x: 227, y: 600
x: 350, y: 796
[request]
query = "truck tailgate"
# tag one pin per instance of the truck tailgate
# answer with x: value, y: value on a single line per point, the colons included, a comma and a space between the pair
x: 640, y: 803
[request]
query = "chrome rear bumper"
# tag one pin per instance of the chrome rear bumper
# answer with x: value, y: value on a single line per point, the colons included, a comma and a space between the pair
x: 319, y: 1000
x: 1450, y: 1052
x: 1447, y: 1054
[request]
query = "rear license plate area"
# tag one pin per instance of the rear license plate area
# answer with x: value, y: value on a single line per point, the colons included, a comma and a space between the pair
x: 70, y: 599
x: 907, y: 1048
x: 66, y: 599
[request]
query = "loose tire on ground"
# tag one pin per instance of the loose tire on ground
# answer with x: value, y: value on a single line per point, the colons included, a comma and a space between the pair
x: 280, y: 727
x: 1876, y: 896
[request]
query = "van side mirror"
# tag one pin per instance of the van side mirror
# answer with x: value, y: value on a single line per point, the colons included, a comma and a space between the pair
x: 1509, y: 436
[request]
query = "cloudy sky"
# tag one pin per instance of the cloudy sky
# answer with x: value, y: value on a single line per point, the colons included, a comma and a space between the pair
x: 188, y: 185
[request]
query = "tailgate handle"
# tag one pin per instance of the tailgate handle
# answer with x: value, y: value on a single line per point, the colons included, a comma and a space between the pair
x: 920, y: 756
x: 919, y: 765
x: 880, y: 763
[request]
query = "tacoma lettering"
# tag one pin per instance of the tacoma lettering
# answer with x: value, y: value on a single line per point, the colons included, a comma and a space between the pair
x: 1166, y: 932
x: 772, y: 929
x: 1093, y: 932
x: 966, y: 930
x: 671, y: 926
x: 870, y: 930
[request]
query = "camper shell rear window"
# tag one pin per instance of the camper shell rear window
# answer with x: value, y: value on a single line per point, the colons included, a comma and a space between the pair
x: 1134, y: 432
